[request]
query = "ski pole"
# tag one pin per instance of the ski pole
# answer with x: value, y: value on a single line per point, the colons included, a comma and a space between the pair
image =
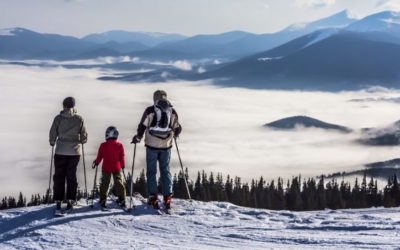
x: 131, y: 182
x: 51, y: 173
x: 94, y: 185
x: 183, y: 172
x: 84, y: 173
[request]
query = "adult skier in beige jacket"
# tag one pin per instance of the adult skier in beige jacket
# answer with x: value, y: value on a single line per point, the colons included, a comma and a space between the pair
x: 67, y: 133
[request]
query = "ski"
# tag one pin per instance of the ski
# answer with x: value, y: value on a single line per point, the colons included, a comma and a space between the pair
x: 105, y: 209
x: 59, y: 213
x: 161, y: 209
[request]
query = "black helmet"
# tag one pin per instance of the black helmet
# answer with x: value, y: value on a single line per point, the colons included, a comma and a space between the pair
x: 159, y: 95
x: 69, y: 103
x: 112, y: 133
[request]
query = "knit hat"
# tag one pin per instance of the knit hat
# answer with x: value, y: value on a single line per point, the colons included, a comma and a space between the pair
x: 69, y: 103
x: 159, y: 95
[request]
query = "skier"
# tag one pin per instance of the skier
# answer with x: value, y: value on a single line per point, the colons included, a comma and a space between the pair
x: 111, y: 152
x: 160, y: 125
x: 67, y: 133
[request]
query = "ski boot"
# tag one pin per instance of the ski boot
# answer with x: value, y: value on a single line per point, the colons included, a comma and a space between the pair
x: 58, y: 211
x: 70, y: 206
x: 103, y: 205
x: 153, y: 201
x: 121, y: 203
x: 167, y: 201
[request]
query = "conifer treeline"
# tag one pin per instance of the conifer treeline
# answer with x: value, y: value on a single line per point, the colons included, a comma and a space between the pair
x: 296, y: 194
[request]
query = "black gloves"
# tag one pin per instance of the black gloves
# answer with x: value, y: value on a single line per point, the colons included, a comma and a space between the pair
x: 177, y: 132
x: 135, y: 139
x: 94, y: 165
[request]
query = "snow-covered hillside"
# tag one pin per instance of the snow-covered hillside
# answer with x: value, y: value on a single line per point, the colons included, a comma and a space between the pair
x: 199, y: 225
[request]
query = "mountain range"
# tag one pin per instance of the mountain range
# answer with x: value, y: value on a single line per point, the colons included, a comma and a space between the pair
x: 334, y: 53
x: 19, y: 43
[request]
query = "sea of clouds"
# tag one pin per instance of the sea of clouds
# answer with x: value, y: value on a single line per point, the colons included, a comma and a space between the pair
x: 222, y: 127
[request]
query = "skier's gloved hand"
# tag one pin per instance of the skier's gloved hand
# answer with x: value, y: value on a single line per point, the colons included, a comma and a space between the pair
x: 177, y: 132
x: 135, y: 139
x: 52, y: 144
x: 123, y: 167
x: 94, y: 165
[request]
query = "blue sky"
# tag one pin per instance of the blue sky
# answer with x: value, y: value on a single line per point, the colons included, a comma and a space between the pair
x: 188, y: 17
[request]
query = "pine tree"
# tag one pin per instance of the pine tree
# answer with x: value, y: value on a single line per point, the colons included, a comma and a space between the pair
x: 310, y: 195
x: 11, y: 202
x: 21, y: 200
x: 293, y: 195
x: 197, y: 188
x: 345, y: 191
x: 321, y: 194
x: 278, y: 200
x: 229, y: 188
x: 356, y: 195
x: 4, y: 203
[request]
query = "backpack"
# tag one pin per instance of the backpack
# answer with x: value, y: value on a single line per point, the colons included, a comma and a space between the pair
x: 161, y: 125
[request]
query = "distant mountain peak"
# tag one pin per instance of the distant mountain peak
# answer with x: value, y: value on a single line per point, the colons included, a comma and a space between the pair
x: 122, y: 36
x: 337, y: 20
x: 304, y: 121
x: 385, y: 21
x: 11, y: 31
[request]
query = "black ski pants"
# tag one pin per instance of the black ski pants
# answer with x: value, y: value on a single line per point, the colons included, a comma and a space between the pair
x: 65, y: 170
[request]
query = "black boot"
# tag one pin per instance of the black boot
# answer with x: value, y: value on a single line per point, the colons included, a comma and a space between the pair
x: 58, y: 205
x: 70, y: 205
x: 153, y: 201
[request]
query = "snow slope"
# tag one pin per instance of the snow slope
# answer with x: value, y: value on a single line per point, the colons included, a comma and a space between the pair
x: 199, y: 225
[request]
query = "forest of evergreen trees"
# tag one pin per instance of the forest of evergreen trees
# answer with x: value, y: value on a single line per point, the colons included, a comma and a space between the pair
x: 296, y: 194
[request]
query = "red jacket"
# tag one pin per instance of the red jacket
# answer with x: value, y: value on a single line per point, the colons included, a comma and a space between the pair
x: 113, y: 156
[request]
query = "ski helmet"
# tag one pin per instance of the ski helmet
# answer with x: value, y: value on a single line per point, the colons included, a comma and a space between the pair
x: 69, y: 102
x: 159, y: 95
x: 112, y: 133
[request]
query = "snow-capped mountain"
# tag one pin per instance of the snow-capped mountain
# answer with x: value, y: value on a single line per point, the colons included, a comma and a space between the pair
x: 10, y: 31
x: 387, y: 21
x: 345, y: 60
x: 246, y: 43
x: 338, y: 20
x: 199, y: 225
x: 145, y: 38
x: 20, y: 43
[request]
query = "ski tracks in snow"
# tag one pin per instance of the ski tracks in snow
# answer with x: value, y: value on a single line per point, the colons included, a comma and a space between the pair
x: 199, y: 225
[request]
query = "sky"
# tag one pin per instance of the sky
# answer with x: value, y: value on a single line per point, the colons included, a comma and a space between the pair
x: 187, y: 17
x: 222, y: 127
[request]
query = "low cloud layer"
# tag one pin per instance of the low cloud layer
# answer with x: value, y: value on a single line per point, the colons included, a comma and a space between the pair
x: 222, y: 127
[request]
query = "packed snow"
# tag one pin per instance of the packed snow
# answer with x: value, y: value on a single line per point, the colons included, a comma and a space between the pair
x: 199, y: 225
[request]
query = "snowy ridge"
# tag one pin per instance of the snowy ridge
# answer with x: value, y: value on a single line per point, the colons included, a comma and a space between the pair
x: 8, y: 32
x: 199, y: 225
x: 386, y: 21
x: 338, y: 20
x: 322, y: 36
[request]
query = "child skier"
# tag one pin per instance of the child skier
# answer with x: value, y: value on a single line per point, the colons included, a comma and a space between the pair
x: 111, y: 152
